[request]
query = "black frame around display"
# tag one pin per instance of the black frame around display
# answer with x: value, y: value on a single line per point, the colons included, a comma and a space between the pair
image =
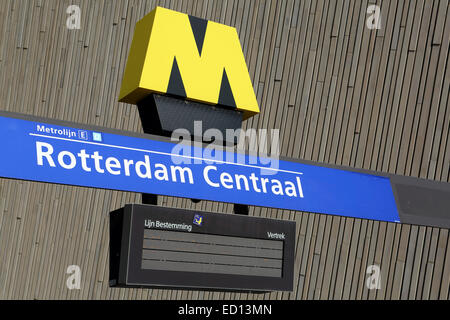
x: 127, y: 233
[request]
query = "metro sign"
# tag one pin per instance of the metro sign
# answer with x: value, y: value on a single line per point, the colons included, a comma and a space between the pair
x: 177, y: 54
x: 55, y: 151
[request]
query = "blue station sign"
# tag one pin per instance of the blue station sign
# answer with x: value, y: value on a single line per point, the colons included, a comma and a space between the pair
x: 46, y: 152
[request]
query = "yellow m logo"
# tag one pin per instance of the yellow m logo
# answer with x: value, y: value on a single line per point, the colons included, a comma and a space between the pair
x: 173, y: 53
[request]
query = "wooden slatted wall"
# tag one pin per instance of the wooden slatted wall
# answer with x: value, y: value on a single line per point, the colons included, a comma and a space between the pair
x: 339, y: 93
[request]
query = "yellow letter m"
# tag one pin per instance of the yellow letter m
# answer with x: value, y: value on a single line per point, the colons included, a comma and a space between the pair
x: 176, y: 54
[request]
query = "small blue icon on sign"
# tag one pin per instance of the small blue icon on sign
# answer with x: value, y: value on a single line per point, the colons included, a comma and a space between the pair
x: 198, y: 220
x: 82, y: 135
x: 97, y: 136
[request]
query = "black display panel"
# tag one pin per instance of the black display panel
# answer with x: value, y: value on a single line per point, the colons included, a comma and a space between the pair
x: 155, y: 246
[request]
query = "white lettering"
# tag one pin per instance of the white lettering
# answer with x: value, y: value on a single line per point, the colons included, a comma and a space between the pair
x: 226, y: 180
x: 127, y: 163
x: 97, y: 157
x: 205, y: 175
x: 73, y: 161
x: 112, y: 163
x: 181, y: 171
x: 161, y: 174
x: 146, y: 165
x: 82, y: 154
x: 144, y: 168
x: 47, y: 154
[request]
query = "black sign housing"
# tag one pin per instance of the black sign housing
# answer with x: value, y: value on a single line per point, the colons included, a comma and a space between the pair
x: 155, y: 246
